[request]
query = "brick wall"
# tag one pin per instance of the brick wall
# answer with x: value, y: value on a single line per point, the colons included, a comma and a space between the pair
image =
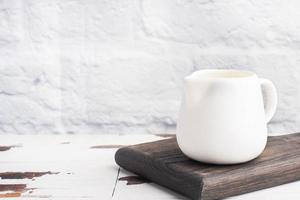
x: 116, y: 66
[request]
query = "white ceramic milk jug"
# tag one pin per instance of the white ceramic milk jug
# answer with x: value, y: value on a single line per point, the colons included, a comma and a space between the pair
x: 223, y: 116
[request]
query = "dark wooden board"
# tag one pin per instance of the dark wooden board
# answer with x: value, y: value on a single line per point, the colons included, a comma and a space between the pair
x: 163, y: 163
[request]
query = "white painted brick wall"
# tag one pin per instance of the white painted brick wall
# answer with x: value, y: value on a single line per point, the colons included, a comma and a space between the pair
x: 116, y: 66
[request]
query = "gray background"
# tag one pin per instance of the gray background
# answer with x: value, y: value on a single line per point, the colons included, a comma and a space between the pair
x: 116, y: 66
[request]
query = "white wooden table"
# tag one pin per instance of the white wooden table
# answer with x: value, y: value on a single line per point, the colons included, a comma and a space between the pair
x: 82, y: 167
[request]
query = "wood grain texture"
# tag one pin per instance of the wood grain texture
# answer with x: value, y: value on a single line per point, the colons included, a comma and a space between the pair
x: 163, y: 162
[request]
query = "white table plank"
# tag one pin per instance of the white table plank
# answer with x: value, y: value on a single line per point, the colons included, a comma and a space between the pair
x: 90, y: 173
x: 84, y: 172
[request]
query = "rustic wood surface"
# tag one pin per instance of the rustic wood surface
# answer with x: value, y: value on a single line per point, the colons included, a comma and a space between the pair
x: 78, y: 167
x: 163, y: 162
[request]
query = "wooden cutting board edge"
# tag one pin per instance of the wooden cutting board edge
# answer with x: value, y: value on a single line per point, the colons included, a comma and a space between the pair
x: 121, y: 158
x: 134, y: 160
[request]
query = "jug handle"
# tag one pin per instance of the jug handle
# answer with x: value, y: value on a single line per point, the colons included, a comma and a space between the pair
x: 269, y: 97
